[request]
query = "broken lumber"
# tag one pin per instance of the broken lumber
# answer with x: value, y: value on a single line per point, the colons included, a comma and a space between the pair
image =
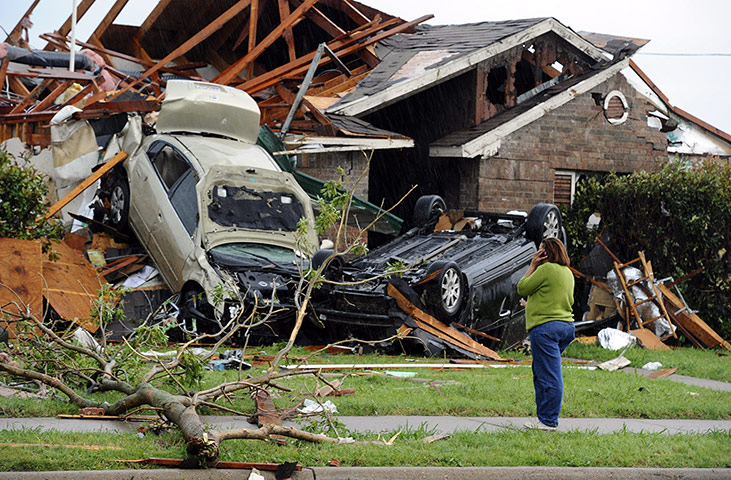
x: 690, y: 322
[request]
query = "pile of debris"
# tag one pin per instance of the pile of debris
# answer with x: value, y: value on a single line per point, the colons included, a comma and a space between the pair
x: 628, y: 297
x: 125, y: 69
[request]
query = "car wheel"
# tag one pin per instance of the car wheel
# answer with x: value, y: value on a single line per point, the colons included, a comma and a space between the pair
x: 444, y: 295
x: 334, y: 269
x: 426, y: 208
x: 544, y: 221
x: 119, y: 202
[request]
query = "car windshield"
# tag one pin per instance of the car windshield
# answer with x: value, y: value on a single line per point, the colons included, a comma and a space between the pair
x: 247, y: 254
x: 242, y: 207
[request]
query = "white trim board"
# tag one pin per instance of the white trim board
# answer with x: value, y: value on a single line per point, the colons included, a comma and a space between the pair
x: 484, y: 145
x: 435, y: 76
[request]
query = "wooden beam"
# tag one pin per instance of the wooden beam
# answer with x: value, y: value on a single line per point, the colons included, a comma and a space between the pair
x: 319, y: 19
x: 151, y: 19
x: 111, y: 15
x: 353, y: 48
x: 253, y: 22
x: 48, y: 101
x: 16, y: 32
x: 349, y: 9
x: 66, y: 27
x: 118, y: 158
x: 211, y: 28
x: 97, y: 41
x: 288, y: 36
x: 17, y: 86
x: 273, y: 76
x: 30, y: 98
x: 3, y: 71
x: 231, y: 72
x: 243, y: 35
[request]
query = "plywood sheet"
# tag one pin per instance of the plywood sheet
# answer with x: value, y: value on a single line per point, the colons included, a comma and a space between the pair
x: 20, y: 275
x: 690, y: 321
x: 73, y: 284
x: 648, y: 339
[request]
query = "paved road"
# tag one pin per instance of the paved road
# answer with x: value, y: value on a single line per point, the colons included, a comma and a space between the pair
x: 441, y: 424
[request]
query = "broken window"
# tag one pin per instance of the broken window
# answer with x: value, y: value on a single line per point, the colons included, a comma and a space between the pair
x: 242, y: 207
x: 524, y: 77
x: 185, y: 201
x: 497, y: 82
x: 616, y: 108
x: 170, y: 165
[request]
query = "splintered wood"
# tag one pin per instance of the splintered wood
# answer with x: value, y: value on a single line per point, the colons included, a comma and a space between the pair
x: 237, y: 41
x: 69, y: 284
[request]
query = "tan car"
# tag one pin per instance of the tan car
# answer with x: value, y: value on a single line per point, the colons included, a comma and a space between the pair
x: 207, y: 203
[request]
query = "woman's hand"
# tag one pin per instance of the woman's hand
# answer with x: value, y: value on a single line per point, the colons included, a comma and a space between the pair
x: 539, y: 258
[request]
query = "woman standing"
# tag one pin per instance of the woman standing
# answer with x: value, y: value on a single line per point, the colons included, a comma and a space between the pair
x: 549, y: 286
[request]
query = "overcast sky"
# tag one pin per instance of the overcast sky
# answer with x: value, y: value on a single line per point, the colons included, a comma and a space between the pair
x: 688, y: 58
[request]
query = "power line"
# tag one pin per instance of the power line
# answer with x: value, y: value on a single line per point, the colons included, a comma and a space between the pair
x: 686, y: 54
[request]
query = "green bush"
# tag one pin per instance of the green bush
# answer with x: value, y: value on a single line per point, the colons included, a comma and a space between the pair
x: 23, y: 201
x: 679, y: 216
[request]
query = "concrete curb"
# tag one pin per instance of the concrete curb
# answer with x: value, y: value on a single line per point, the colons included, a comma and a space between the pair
x: 393, y: 473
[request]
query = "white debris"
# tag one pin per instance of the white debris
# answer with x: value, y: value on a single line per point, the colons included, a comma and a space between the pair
x: 613, y: 339
x: 652, y: 366
x: 311, y: 406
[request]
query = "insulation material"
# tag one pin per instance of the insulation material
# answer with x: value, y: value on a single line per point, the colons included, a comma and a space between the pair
x: 647, y: 310
x: 74, y: 148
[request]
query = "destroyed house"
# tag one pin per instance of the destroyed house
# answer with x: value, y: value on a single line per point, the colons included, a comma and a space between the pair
x: 492, y: 116
x: 508, y: 114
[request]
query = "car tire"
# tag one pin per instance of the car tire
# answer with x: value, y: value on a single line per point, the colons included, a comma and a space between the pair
x: 427, y: 207
x: 334, y: 269
x: 445, y: 294
x: 544, y: 221
x: 119, y: 202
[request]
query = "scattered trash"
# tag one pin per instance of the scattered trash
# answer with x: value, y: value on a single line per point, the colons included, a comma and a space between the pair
x: 614, y: 364
x: 435, y: 437
x: 652, y: 366
x: 255, y: 475
x: 666, y: 372
x: 311, y: 406
x: 400, y: 374
x: 613, y: 339
x: 230, y: 360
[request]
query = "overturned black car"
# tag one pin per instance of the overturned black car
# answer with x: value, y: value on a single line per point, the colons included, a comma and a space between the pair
x: 461, y: 268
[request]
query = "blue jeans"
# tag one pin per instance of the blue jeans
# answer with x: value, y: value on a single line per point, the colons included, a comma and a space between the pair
x: 547, y: 343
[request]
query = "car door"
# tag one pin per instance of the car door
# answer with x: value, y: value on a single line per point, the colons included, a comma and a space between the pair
x: 175, y: 216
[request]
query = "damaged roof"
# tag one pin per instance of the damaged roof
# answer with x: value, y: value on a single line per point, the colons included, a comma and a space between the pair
x: 485, y: 137
x: 433, y: 54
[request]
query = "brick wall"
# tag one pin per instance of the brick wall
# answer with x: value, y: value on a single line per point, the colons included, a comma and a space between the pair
x: 325, y: 167
x: 575, y: 137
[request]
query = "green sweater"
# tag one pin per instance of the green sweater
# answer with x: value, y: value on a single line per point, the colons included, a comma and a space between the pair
x: 550, y: 292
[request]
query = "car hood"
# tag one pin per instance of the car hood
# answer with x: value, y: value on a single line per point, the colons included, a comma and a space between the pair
x: 252, y: 205
x: 200, y: 107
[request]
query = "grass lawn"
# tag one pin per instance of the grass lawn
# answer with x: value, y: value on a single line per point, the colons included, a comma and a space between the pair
x: 482, y: 392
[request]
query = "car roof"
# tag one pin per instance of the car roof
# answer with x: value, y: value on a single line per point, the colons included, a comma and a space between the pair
x: 210, y: 151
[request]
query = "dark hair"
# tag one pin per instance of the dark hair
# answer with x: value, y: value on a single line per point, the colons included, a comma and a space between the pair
x: 555, y: 251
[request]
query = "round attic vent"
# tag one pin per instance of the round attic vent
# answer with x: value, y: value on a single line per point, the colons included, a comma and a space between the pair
x: 615, y: 107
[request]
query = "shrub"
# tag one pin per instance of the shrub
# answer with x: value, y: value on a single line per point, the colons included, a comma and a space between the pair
x: 679, y: 216
x: 22, y: 201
